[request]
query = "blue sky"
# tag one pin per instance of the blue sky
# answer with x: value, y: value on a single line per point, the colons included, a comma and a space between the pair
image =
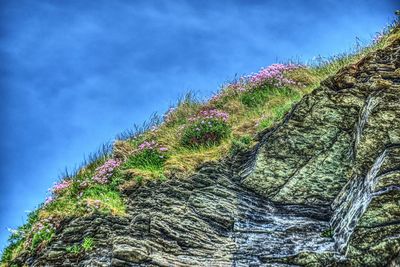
x: 76, y: 73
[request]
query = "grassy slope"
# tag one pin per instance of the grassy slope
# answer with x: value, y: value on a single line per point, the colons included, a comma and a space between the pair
x: 249, y: 112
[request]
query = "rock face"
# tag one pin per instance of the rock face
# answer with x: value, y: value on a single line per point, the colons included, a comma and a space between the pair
x: 320, y: 189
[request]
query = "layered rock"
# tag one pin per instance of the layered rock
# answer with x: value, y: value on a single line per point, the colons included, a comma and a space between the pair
x: 332, y: 166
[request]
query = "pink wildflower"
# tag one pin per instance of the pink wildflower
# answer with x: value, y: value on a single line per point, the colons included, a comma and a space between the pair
x: 59, y: 187
x: 147, y: 145
x: 273, y: 74
x: 105, y: 171
x: 210, y: 114
x: 151, y: 145
x: 48, y: 200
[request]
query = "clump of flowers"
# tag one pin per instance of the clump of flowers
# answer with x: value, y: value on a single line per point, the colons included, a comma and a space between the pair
x: 210, y: 114
x: 105, y: 171
x: 60, y: 186
x: 208, y: 127
x: 273, y: 75
x: 152, y: 145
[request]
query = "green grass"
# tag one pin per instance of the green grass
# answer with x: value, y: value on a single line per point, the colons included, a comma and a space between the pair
x: 74, y: 249
x: 249, y: 112
x: 147, y: 160
x: 259, y: 95
x: 86, y: 245
x: 42, y: 237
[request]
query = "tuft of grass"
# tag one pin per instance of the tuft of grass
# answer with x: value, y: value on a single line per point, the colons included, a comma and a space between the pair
x: 103, y: 199
x: 260, y: 95
x: 145, y: 160
x: 74, y: 249
x: 186, y: 106
x: 86, y: 245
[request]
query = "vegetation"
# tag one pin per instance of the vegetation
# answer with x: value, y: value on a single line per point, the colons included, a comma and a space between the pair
x: 86, y: 245
x: 208, y: 128
x: 189, y: 134
x: 328, y: 233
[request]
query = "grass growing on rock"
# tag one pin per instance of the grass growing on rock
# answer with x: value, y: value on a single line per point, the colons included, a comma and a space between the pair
x: 190, y: 134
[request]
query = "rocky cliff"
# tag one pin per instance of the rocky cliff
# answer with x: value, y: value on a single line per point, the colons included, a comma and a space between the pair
x: 322, y: 188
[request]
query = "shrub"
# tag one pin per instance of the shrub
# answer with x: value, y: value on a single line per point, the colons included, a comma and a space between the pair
x: 7, y: 254
x: 208, y: 128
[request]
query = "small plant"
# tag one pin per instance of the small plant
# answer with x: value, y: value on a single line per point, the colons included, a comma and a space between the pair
x: 139, y: 179
x: 328, y: 233
x: 208, y: 128
x: 74, y: 249
x: 87, y: 244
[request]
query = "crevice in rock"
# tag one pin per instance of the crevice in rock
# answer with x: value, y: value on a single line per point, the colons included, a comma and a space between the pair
x: 352, y: 202
x: 386, y: 190
x: 366, y: 110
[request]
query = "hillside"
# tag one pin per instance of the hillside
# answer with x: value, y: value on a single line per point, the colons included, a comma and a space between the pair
x: 289, y: 166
